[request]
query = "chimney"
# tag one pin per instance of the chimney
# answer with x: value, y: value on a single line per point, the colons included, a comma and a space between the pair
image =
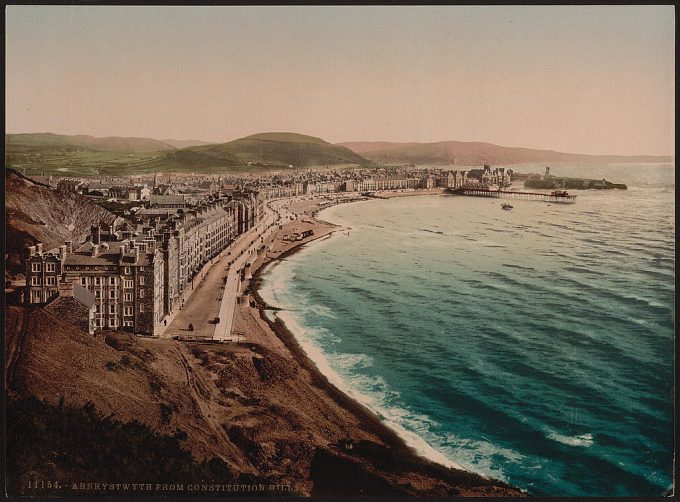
x: 95, y: 250
x: 69, y: 246
x: 96, y: 234
x: 65, y: 287
x: 31, y: 251
x: 39, y: 247
x: 62, y: 252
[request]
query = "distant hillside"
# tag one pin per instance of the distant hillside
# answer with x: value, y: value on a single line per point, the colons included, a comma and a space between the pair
x: 37, y: 214
x: 87, y: 156
x: 184, y: 143
x: 475, y: 153
x: 269, y: 149
x: 46, y: 141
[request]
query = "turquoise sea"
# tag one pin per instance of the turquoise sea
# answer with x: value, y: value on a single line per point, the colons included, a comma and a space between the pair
x: 534, y: 345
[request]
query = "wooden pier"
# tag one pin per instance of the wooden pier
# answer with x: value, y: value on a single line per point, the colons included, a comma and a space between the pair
x: 560, y: 198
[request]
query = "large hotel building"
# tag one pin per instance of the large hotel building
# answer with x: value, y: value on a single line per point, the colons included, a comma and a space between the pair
x: 140, y: 270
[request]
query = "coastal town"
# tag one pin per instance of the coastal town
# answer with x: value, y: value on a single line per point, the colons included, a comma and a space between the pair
x: 136, y: 273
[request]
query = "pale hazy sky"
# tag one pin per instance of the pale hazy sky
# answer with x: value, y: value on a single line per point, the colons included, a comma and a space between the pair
x: 571, y: 78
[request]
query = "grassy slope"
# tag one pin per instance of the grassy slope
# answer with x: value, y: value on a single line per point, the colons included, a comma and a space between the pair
x: 77, y: 444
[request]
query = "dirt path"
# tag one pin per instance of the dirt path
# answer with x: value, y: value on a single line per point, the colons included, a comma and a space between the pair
x: 207, y: 400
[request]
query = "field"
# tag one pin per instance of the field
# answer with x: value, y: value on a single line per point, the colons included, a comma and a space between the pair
x: 64, y: 162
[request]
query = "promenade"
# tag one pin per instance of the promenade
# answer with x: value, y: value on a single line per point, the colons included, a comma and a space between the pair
x: 207, y: 299
x: 242, y: 255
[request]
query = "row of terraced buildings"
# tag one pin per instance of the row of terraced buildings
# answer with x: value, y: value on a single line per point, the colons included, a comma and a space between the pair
x: 139, y: 271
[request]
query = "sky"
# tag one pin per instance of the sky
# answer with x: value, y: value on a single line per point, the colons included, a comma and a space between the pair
x: 581, y: 79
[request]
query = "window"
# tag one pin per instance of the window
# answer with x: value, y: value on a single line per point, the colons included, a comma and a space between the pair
x: 97, y: 308
x: 112, y: 309
x: 50, y: 281
x: 35, y: 281
x: 127, y: 311
x: 98, y: 294
x: 35, y: 296
x: 126, y: 270
x: 113, y: 294
x: 141, y: 281
x: 141, y: 308
x: 113, y: 281
x: 141, y: 292
x: 97, y: 281
x: 98, y: 323
x: 50, y: 267
x: 113, y: 322
x: 127, y: 324
x: 36, y: 267
x: 128, y: 297
x: 141, y: 269
x: 128, y: 283
x: 83, y: 281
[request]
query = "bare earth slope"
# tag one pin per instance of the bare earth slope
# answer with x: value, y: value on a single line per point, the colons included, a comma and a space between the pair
x: 476, y: 153
x: 34, y: 213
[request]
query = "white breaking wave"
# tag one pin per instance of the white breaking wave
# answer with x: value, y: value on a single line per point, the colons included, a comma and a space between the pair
x: 390, y: 415
x: 417, y: 430
x: 581, y: 440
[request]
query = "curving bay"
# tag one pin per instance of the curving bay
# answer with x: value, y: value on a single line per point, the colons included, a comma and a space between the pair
x: 533, y: 345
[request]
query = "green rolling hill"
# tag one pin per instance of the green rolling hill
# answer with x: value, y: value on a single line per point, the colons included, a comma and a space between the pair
x: 47, y: 141
x: 277, y: 149
x: 86, y: 155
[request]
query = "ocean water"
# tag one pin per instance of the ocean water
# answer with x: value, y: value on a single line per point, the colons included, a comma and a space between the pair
x: 534, y: 345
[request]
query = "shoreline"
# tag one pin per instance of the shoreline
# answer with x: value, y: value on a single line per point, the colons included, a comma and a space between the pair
x: 369, y: 419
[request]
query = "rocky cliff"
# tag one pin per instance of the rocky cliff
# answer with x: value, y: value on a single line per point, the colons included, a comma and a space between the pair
x: 36, y: 213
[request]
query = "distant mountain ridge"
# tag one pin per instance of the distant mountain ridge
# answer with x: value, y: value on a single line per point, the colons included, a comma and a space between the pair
x: 476, y: 153
x: 184, y: 143
x: 84, y: 142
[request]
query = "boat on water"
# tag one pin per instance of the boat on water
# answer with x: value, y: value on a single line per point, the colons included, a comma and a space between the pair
x: 506, y: 206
